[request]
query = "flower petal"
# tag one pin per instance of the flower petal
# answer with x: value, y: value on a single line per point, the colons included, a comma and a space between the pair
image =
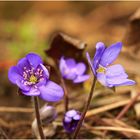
x: 101, y: 77
x: 62, y: 66
x: 116, y: 76
x: 22, y: 86
x: 41, y: 82
x: 116, y: 70
x: 23, y: 64
x: 34, y: 59
x: 67, y: 119
x: 45, y: 71
x: 77, y: 117
x: 70, y: 62
x: 81, y: 78
x: 80, y: 68
x: 71, y: 113
x: 110, y: 54
x: 70, y: 75
x: 31, y: 92
x: 100, y: 48
x: 51, y: 92
x: 118, y: 81
x: 13, y: 74
x: 90, y: 63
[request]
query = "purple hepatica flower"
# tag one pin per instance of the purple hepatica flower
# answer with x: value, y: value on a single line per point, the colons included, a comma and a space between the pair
x: 32, y: 77
x: 72, y: 71
x: 109, y: 76
x: 71, y: 120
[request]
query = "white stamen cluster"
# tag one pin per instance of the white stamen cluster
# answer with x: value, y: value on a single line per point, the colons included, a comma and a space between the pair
x: 31, y: 77
x: 39, y: 72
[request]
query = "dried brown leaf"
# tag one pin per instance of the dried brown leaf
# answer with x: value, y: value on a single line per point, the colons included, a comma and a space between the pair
x: 65, y: 45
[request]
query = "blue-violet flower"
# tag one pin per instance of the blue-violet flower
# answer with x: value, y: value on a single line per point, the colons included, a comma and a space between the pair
x: 72, y: 71
x: 71, y: 120
x: 32, y: 77
x: 109, y: 76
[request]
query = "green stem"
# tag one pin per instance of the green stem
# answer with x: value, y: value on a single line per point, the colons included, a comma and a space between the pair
x: 36, y: 105
x: 85, y: 109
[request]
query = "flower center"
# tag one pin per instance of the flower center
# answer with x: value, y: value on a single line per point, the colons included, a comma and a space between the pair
x: 32, y: 76
x: 33, y: 79
x: 101, y: 69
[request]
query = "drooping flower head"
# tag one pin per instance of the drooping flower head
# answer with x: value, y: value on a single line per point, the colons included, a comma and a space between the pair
x: 32, y: 77
x: 48, y: 114
x: 71, y: 120
x: 73, y: 71
x: 107, y: 75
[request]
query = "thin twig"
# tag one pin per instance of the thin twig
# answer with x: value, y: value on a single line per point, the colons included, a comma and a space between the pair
x: 38, y: 117
x: 15, y: 109
x: 3, y: 133
x: 85, y: 109
x: 126, y: 108
x: 118, y: 123
x: 13, y: 124
x: 114, y: 129
x: 88, y: 114
x: 107, y: 107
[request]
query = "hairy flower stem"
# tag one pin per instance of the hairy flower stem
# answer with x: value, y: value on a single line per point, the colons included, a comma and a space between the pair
x: 85, y: 110
x: 66, y: 98
x: 36, y: 105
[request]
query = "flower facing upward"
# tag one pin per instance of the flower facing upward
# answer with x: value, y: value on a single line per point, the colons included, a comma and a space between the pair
x: 72, y: 71
x: 109, y: 76
x: 71, y: 120
x: 32, y: 77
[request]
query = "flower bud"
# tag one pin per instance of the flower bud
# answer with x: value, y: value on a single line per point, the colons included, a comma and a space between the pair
x: 71, y: 120
x: 47, y: 116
